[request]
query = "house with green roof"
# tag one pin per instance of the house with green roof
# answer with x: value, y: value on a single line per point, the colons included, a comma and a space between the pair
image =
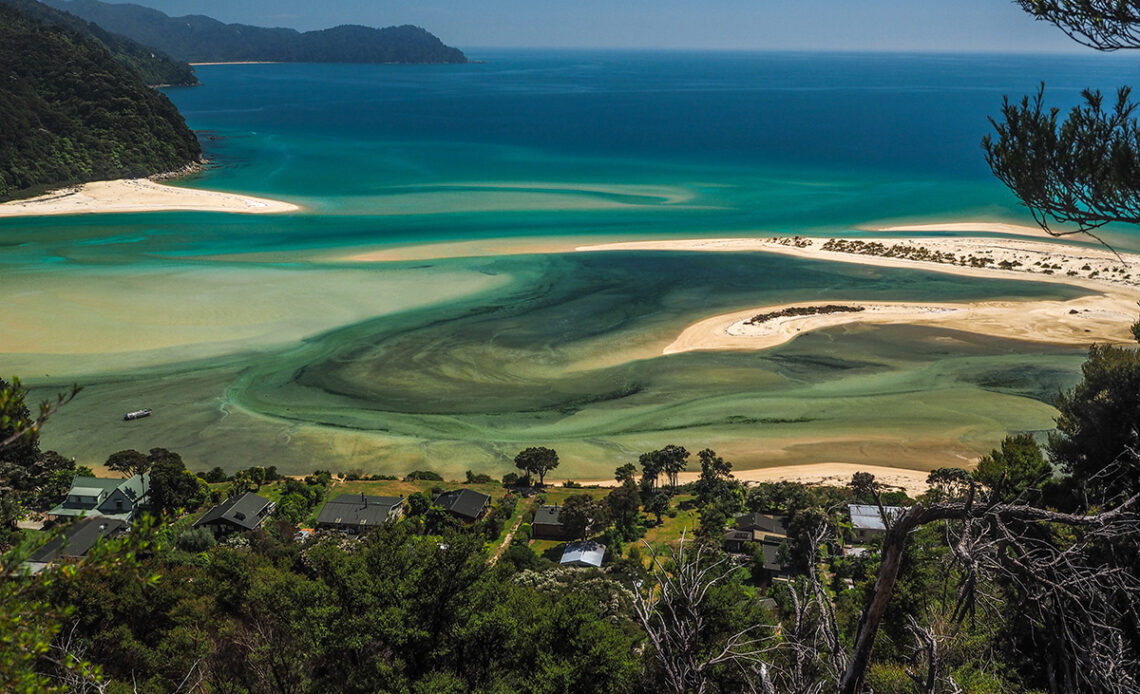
x: 97, y: 496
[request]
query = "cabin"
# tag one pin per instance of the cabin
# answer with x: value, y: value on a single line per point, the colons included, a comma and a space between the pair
x: 547, y: 524
x: 357, y: 513
x: 464, y: 504
x: 75, y: 542
x: 867, y: 523
x: 237, y: 514
x: 100, y: 497
x: 584, y: 554
x: 760, y: 535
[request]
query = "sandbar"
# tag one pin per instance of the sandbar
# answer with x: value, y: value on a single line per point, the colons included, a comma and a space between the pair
x: 967, y: 228
x: 139, y: 195
x: 1105, y: 315
x: 913, y: 482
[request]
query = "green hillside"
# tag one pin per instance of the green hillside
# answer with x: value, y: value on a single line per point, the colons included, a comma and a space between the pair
x: 201, y: 39
x: 155, y: 67
x: 69, y: 112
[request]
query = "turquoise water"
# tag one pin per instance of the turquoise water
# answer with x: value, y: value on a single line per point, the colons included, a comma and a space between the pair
x: 253, y: 338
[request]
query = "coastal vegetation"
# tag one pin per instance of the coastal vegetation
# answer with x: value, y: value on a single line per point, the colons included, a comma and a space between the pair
x: 969, y: 585
x: 70, y: 113
x: 155, y: 68
x: 795, y: 311
x: 201, y: 39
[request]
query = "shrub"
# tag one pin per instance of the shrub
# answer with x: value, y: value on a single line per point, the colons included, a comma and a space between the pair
x: 423, y: 475
x: 195, y: 540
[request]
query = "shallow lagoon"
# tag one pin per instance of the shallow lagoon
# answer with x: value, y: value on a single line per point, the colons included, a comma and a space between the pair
x: 255, y: 340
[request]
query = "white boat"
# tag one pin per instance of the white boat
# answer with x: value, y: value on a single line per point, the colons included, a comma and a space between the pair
x: 137, y: 414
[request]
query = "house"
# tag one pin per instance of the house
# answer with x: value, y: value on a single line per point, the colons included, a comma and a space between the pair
x: 763, y: 532
x: 356, y: 513
x: 109, y: 498
x: 584, y: 554
x: 75, y: 542
x: 237, y: 514
x: 764, y: 523
x: 547, y: 524
x: 867, y: 522
x: 464, y: 504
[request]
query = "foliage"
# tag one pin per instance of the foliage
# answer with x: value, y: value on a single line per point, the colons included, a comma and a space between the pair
x: 201, y: 39
x: 1099, y: 421
x: 128, y: 462
x: 536, y: 460
x: 1082, y: 171
x: 172, y: 487
x: 1016, y: 467
x: 670, y: 461
x: 70, y: 113
x: 480, y: 478
x: 152, y: 65
x: 196, y: 540
x: 657, y: 504
x: 624, y: 503
x: 1105, y: 25
x: 428, y: 475
x: 583, y: 515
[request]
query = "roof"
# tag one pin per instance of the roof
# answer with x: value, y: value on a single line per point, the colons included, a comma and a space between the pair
x: 777, y: 525
x: 463, y: 502
x: 78, y: 539
x: 867, y: 517
x: 583, y: 554
x: 93, y: 486
x: 358, y: 510
x: 548, y: 515
x: 134, y: 488
x: 246, y: 511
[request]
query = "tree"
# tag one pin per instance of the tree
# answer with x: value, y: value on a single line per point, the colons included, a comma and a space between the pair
x: 624, y: 503
x: 625, y: 472
x: 1099, y: 422
x: 583, y: 515
x: 1014, y: 468
x: 657, y: 504
x: 1106, y: 25
x: 715, y: 483
x: 172, y: 486
x: 536, y: 460
x: 670, y: 460
x: 1081, y: 171
x: 129, y: 462
x: 947, y: 483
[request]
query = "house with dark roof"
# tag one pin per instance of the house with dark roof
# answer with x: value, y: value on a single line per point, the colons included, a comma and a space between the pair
x: 867, y: 522
x: 100, y: 497
x: 75, y: 542
x: 547, y: 523
x: 357, y: 513
x: 237, y: 514
x: 761, y: 535
x: 584, y: 554
x: 464, y: 504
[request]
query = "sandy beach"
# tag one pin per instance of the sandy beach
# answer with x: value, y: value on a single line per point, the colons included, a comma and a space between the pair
x: 913, y: 482
x: 1103, y: 316
x: 139, y: 195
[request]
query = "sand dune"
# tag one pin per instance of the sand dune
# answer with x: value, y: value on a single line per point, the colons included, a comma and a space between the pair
x: 139, y: 195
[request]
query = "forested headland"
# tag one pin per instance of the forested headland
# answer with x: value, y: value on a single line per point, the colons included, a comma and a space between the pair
x: 153, y: 66
x: 197, y: 38
x: 71, y: 113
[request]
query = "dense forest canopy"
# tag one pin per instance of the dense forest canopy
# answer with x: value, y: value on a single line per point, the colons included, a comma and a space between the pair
x: 154, y: 67
x: 70, y: 113
x: 201, y: 39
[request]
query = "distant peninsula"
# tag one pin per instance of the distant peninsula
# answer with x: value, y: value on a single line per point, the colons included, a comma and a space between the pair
x: 156, y: 68
x: 70, y: 112
x: 200, y: 39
